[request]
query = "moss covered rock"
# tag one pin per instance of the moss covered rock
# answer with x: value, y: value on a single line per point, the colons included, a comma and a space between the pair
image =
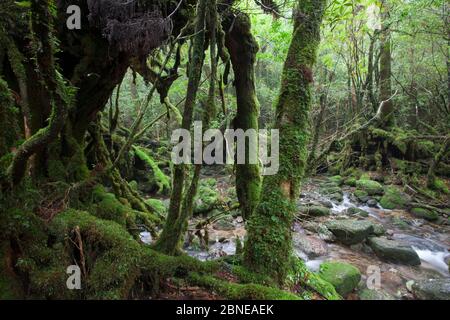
x: 315, y: 211
x: 357, y: 211
x: 393, y: 198
x: 425, y: 214
x: 371, y: 187
x: 343, y: 276
x: 394, y: 251
x: 350, y: 231
x: 361, y: 195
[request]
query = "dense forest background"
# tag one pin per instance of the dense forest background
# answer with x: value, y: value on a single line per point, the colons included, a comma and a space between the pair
x: 359, y: 91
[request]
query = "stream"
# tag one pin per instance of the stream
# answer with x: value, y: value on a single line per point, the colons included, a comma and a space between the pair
x: 430, y: 241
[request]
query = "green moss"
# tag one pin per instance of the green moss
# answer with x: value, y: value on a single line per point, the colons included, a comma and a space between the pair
x: 300, y: 275
x: 207, y: 197
x: 370, y: 186
x: 162, y: 180
x: 425, y: 214
x: 235, y: 291
x: 337, y: 179
x: 343, y: 276
x: 350, y: 182
x: 158, y: 206
x: 393, y: 198
x: 440, y: 185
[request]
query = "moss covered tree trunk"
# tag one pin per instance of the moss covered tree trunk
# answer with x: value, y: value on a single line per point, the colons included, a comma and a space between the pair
x: 268, y: 248
x: 387, y: 107
x: 242, y: 47
x: 172, y: 233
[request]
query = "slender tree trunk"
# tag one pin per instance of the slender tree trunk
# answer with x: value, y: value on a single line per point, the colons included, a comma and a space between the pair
x: 242, y: 47
x: 268, y: 249
x: 171, y: 235
x: 386, y: 111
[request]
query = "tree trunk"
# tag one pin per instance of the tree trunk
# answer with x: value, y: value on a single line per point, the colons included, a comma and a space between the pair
x: 387, y: 108
x: 242, y: 47
x: 268, y: 248
x: 171, y: 235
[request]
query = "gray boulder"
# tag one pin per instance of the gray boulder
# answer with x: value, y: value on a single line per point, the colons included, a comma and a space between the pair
x: 350, y: 231
x: 394, y: 251
x: 432, y: 289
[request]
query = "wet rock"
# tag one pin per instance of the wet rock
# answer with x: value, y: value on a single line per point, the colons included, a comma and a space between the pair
x: 361, y: 195
x: 425, y: 214
x: 373, y: 294
x: 393, y: 198
x: 351, y: 182
x: 343, y: 276
x: 315, y: 211
x: 312, y: 246
x: 371, y: 187
x: 350, y: 231
x: 330, y: 190
x: 372, y: 203
x: 320, y: 229
x: 432, y: 289
x: 400, y: 223
x: 225, y: 224
x: 394, y: 251
x: 337, y: 197
x: 357, y: 211
x: 378, y: 229
x: 337, y: 179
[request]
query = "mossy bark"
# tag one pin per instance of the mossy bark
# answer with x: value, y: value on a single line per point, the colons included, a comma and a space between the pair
x: 171, y: 235
x: 243, y: 47
x: 387, y: 108
x: 268, y: 248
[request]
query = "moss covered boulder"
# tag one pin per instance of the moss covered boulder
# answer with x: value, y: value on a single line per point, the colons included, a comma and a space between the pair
x: 393, y: 198
x: 207, y: 197
x: 315, y: 210
x: 357, y: 211
x: 371, y: 187
x: 361, y: 195
x: 394, y: 251
x: 343, y: 276
x: 425, y: 214
x: 350, y: 231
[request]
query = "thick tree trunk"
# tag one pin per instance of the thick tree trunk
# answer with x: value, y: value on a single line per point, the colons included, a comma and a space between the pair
x: 242, y: 47
x: 268, y: 248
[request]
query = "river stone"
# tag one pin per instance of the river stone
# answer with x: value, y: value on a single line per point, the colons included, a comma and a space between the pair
x: 393, y: 198
x: 337, y: 179
x: 378, y: 229
x: 338, y: 197
x: 394, y: 251
x: 315, y: 211
x: 343, y: 276
x: 361, y: 195
x: 312, y: 246
x: 330, y: 190
x: 371, y: 187
x: 357, y: 211
x: 373, y: 294
x: 372, y: 203
x: 432, y: 289
x: 425, y: 214
x: 320, y: 229
x: 350, y: 231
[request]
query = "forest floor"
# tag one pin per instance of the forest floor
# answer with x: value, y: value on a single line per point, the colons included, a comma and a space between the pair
x: 315, y: 244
